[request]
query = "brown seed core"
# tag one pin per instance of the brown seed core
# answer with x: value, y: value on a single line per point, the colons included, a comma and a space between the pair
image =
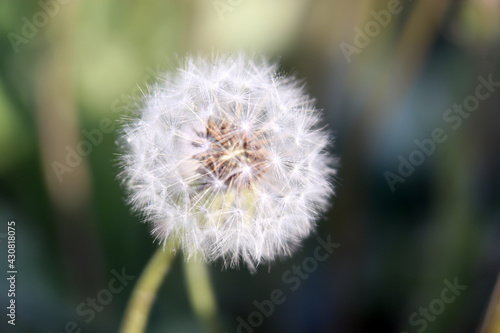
x: 234, y: 157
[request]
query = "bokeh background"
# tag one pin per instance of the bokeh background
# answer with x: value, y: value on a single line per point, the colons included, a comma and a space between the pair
x: 68, y: 68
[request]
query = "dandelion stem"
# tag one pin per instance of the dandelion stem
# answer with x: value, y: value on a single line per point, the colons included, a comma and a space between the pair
x: 144, y: 292
x: 201, y: 294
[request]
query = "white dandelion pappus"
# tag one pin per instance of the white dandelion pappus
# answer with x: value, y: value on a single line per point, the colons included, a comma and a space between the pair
x: 226, y: 159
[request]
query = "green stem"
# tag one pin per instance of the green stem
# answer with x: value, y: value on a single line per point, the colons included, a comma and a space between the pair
x: 201, y: 294
x: 145, y: 291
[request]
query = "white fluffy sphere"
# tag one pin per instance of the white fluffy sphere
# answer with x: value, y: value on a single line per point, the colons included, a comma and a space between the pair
x: 225, y: 159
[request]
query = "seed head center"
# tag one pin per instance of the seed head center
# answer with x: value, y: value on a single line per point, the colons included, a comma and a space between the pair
x: 233, y: 156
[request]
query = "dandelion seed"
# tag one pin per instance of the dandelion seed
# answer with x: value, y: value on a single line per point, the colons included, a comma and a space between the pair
x: 226, y: 159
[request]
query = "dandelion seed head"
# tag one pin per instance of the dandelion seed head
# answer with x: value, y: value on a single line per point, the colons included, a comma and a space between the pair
x: 225, y: 156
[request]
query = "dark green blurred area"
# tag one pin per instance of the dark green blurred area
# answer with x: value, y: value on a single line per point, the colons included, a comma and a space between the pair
x: 85, y: 66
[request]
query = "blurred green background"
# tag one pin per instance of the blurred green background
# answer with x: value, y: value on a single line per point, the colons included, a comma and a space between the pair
x: 384, y: 72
